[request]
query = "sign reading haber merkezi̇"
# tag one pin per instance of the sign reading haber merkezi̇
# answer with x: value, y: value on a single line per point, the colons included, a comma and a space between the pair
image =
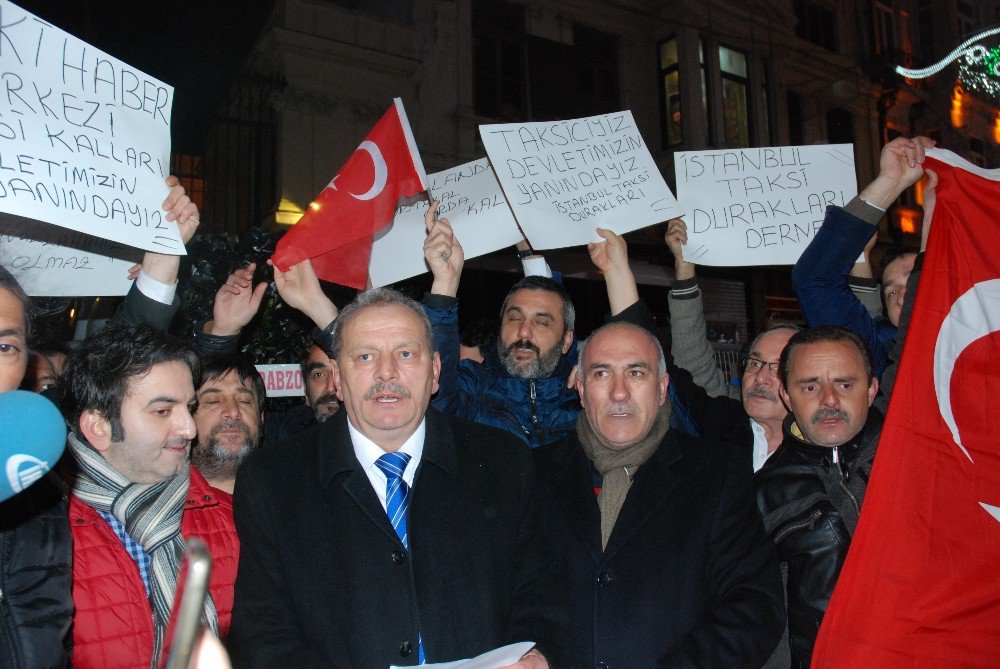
x: 49, y: 261
x: 760, y: 206
x: 472, y: 201
x: 565, y: 178
x: 84, y: 137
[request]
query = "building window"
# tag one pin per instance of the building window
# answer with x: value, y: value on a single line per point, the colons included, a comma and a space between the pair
x: 595, y: 68
x: 673, y: 128
x: 885, y: 29
x: 966, y: 12
x: 498, y: 60
x: 573, y: 80
x: 816, y: 23
x: 796, y: 119
x: 839, y: 126
x: 187, y: 169
x: 735, y: 100
x: 709, y: 140
x: 925, y: 32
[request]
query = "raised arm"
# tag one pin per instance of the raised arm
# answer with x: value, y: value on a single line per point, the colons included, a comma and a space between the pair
x: 821, y: 274
x: 299, y: 288
x: 443, y: 253
x: 888, y: 379
x: 611, y: 257
x: 236, y: 303
x: 152, y: 299
x: 688, y: 341
x: 444, y: 256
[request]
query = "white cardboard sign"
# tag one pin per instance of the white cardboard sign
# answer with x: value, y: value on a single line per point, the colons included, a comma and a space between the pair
x: 760, y: 206
x: 282, y: 380
x: 49, y: 261
x: 84, y: 137
x: 565, y: 178
x: 474, y: 204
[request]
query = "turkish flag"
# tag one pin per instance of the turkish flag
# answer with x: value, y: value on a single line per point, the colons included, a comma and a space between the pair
x: 337, y: 229
x: 921, y: 584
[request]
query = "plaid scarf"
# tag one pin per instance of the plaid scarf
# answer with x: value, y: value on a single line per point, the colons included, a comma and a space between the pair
x: 151, y: 514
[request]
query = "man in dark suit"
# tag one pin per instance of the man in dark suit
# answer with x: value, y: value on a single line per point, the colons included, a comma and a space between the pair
x: 392, y: 534
x: 670, y: 566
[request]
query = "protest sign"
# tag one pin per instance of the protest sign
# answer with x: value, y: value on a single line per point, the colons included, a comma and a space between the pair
x: 84, y: 137
x: 282, y: 380
x: 760, y: 206
x: 49, y: 261
x: 474, y: 204
x: 565, y: 178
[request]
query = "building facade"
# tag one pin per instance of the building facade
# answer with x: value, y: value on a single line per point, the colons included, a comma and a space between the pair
x: 696, y: 75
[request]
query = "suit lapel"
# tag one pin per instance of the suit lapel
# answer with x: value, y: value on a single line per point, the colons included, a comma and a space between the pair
x: 568, y: 473
x: 337, y: 460
x: 650, y: 490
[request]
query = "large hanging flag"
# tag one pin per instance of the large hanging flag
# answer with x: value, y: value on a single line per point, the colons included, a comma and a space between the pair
x: 337, y: 229
x: 921, y: 584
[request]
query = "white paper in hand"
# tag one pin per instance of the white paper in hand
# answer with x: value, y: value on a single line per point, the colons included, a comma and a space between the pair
x: 492, y: 659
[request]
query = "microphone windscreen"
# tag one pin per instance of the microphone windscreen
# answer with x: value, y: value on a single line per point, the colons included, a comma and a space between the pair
x: 32, y: 439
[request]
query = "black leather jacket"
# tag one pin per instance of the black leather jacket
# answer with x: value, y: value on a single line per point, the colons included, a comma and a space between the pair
x: 810, y: 497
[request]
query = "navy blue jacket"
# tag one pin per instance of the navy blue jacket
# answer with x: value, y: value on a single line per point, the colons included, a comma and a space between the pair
x: 538, y: 411
x: 820, y: 280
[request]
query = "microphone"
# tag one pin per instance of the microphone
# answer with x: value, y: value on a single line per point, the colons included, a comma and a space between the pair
x: 32, y: 439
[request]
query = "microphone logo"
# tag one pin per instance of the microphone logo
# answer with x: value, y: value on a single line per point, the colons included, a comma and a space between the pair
x: 23, y: 470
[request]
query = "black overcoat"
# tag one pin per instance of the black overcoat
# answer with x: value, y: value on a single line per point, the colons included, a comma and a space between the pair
x: 688, y: 578
x: 324, y: 581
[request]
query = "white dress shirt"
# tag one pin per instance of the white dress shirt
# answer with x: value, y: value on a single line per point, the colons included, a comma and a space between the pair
x: 760, y: 452
x: 155, y: 290
x: 367, y: 452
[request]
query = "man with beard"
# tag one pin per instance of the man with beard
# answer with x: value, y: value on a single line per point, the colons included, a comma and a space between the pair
x: 320, y: 388
x: 669, y: 564
x: 810, y: 493
x: 238, y: 301
x: 521, y: 385
x: 230, y: 408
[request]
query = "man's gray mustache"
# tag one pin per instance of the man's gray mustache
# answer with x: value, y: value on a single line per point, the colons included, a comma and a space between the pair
x: 621, y: 407
x: 761, y: 391
x: 387, y: 387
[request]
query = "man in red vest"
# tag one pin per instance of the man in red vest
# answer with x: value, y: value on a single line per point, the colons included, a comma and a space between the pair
x: 136, y: 499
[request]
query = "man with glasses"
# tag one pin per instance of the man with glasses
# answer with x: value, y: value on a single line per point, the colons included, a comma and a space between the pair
x: 760, y: 385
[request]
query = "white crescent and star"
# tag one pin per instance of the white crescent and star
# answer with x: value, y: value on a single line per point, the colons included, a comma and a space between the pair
x: 381, y: 172
x: 974, y: 315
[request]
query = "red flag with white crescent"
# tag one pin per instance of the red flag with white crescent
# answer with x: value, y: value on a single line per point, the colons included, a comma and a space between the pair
x: 337, y: 228
x: 921, y: 584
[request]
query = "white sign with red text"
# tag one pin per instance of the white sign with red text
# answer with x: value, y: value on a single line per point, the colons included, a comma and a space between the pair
x: 282, y: 380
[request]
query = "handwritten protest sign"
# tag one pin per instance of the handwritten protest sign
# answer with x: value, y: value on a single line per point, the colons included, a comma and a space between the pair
x: 474, y: 204
x: 282, y: 380
x: 760, y: 206
x: 565, y: 178
x: 55, y: 262
x: 84, y: 137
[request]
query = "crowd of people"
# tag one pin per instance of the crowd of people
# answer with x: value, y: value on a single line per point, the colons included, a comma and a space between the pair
x: 439, y: 494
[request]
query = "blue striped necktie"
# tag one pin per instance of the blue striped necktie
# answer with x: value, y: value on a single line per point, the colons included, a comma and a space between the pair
x: 397, y: 501
x: 397, y: 493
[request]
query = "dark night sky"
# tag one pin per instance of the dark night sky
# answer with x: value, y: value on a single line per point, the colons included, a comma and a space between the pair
x: 195, y: 46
